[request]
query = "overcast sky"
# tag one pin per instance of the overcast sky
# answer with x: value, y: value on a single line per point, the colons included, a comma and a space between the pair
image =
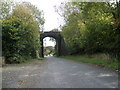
x: 52, y: 18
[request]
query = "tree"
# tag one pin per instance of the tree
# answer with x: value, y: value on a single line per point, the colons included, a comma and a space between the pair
x: 92, y: 27
x: 21, y: 33
x: 36, y: 13
x: 49, y: 50
x: 114, y: 49
x: 5, y: 8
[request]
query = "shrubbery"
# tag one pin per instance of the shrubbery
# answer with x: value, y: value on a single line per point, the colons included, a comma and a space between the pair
x: 21, y: 33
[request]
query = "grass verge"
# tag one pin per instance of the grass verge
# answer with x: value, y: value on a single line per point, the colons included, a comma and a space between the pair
x: 104, y: 63
x: 32, y: 60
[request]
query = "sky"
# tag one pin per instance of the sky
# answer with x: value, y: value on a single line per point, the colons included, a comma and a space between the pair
x: 52, y: 19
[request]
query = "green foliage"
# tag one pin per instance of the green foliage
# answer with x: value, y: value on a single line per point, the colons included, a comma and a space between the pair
x: 36, y: 13
x: 92, y: 27
x: 20, y: 32
x: 49, y: 50
x: 5, y: 8
x: 40, y: 58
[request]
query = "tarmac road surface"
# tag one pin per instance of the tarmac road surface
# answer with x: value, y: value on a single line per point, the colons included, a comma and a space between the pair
x: 58, y: 73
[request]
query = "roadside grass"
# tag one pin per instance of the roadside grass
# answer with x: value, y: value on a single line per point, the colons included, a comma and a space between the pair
x: 104, y: 63
x: 30, y: 61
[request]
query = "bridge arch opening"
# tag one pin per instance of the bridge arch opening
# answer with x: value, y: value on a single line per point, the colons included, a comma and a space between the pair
x: 49, y: 46
x: 60, y: 44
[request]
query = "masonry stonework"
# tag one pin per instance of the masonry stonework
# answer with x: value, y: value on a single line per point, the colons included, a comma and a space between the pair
x: 61, y: 49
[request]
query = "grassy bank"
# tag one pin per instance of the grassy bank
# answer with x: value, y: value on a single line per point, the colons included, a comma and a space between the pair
x: 99, y: 62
